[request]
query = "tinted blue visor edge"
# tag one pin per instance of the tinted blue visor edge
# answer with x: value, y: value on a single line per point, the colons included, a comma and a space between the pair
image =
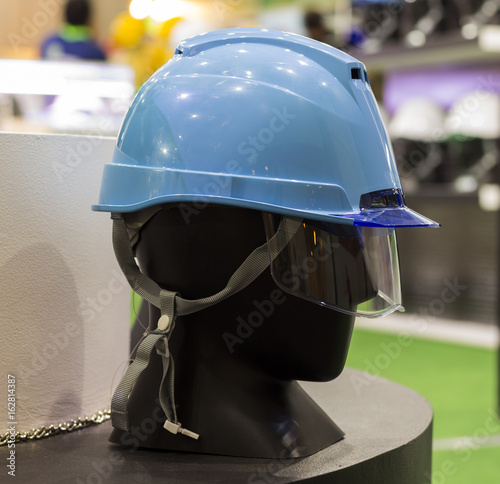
x: 390, y: 217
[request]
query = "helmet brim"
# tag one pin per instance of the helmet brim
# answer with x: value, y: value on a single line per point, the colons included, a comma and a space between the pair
x: 390, y: 217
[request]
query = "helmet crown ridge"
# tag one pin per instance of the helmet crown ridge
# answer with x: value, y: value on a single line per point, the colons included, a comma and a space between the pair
x: 253, y: 118
x: 317, y: 51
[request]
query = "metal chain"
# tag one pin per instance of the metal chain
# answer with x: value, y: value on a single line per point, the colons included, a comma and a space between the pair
x: 43, y: 431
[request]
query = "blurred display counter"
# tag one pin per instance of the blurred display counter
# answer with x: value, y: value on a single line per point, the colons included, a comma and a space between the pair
x: 388, y: 441
x: 64, y: 97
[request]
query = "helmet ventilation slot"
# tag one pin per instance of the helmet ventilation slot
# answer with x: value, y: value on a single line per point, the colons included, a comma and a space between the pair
x: 356, y: 73
x: 359, y: 73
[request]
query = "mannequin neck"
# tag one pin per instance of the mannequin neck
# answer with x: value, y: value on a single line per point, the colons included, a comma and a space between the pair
x: 235, y: 407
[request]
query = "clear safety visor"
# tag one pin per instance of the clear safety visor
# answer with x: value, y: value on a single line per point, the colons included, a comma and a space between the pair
x: 351, y: 269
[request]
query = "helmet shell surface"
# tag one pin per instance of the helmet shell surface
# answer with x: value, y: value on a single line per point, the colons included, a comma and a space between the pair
x: 253, y: 118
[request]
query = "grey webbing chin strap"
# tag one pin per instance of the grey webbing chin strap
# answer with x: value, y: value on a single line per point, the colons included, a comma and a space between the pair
x: 172, y: 305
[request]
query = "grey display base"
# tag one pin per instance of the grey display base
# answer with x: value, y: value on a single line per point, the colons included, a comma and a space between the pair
x: 388, y: 441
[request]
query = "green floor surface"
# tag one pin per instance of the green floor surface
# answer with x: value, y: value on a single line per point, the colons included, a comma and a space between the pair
x: 461, y: 384
x: 466, y: 466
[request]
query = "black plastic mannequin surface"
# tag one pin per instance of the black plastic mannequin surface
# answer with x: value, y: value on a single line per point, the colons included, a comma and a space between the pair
x: 237, y: 362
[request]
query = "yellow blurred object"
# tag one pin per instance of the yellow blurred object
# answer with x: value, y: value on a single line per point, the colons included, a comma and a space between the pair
x: 143, y: 44
x: 146, y: 60
x: 126, y: 31
x: 154, y: 57
x: 166, y: 27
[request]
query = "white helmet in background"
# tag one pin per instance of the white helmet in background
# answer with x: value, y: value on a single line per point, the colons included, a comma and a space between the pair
x: 418, y: 119
x: 475, y: 115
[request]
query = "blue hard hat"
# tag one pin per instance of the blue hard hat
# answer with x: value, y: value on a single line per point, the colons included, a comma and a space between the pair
x: 259, y: 119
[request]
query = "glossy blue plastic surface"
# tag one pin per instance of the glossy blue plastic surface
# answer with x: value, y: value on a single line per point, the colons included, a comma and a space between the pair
x: 253, y: 118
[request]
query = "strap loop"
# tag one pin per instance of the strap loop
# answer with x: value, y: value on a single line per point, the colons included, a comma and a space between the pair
x: 119, y: 413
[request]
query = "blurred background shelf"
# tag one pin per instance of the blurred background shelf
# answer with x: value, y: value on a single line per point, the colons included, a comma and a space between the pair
x: 451, y: 49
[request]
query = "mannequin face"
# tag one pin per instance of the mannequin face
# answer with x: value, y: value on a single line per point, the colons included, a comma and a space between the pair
x: 196, y: 252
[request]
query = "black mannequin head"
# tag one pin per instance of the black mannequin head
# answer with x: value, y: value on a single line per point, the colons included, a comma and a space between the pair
x: 242, y: 354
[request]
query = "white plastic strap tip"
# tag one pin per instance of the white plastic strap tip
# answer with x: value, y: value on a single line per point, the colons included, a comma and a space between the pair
x: 175, y: 428
x: 188, y: 433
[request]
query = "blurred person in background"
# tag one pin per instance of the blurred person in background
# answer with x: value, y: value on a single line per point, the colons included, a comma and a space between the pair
x: 316, y: 29
x: 74, y: 40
